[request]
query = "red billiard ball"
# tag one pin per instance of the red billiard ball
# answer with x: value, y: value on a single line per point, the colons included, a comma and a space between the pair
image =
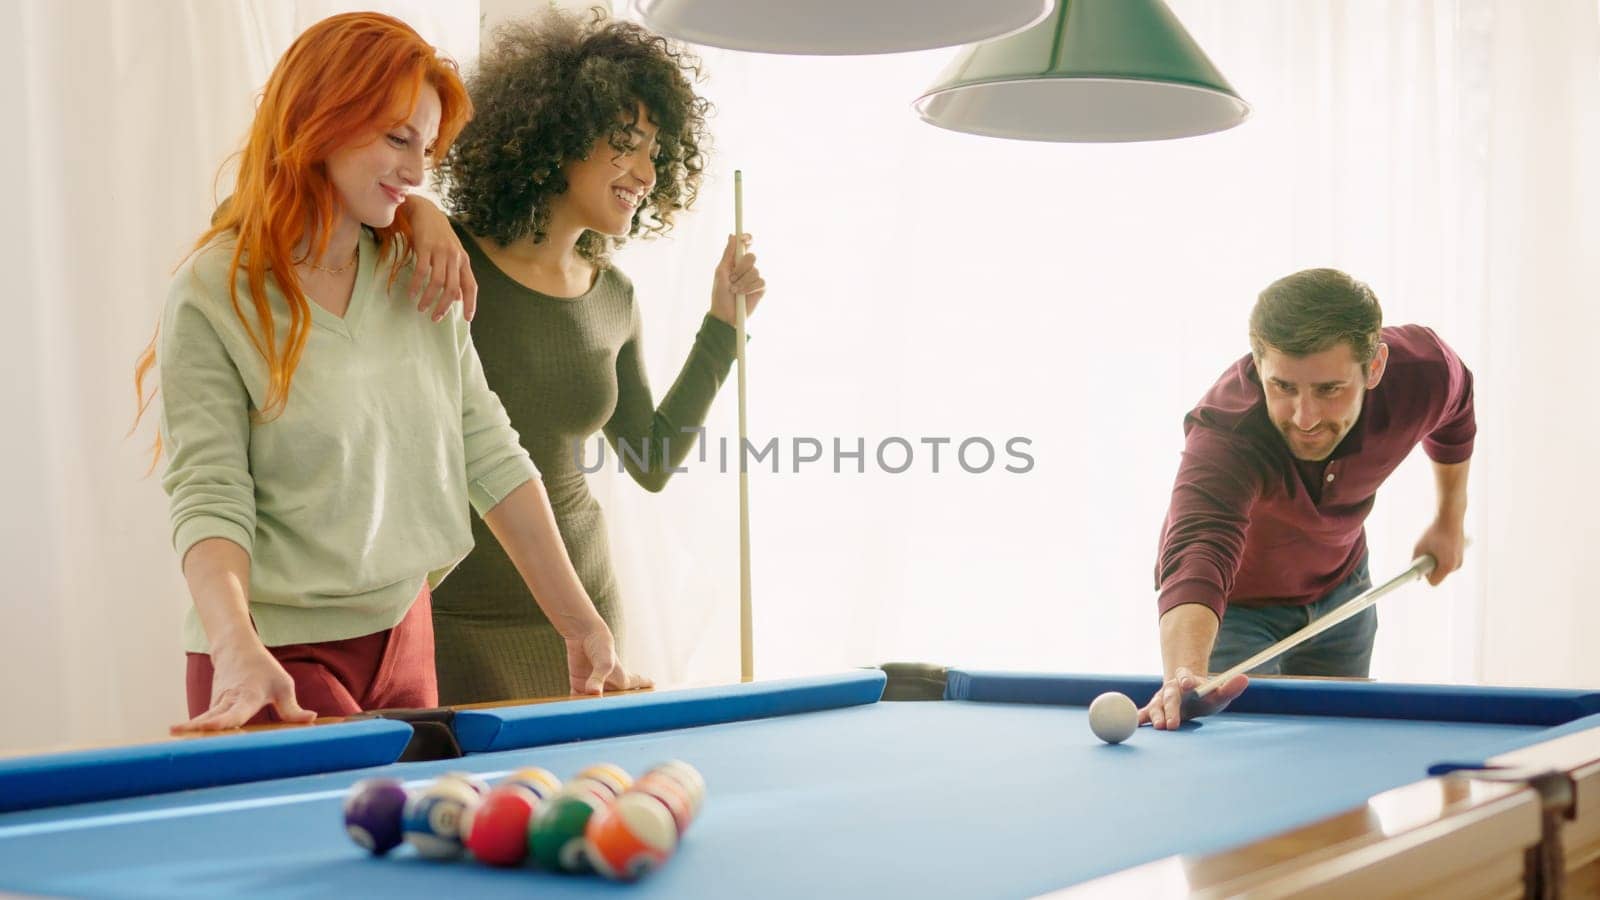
x: 372, y: 814
x: 497, y: 830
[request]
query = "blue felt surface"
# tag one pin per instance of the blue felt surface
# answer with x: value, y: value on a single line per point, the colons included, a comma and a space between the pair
x: 1360, y: 699
x: 952, y: 799
x: 511, y: 728
x: 61, y: 778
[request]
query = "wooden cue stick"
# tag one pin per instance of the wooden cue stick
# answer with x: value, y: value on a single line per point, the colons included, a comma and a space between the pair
x: 1420, y: 567
x: 746, y: 628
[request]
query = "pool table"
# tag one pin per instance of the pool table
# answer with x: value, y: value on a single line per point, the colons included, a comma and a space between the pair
x: 900, y: 781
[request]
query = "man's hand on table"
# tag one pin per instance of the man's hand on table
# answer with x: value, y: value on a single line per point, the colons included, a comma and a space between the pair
x: 1168, y: 709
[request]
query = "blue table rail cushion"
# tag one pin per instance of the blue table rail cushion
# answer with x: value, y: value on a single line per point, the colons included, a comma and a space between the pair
x: 1357, y: 699
x: 78, y: 776
x: 1480, y: 760
x: 511, y: 728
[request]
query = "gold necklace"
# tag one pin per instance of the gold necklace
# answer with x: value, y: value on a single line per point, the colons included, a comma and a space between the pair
x: 354, y: 255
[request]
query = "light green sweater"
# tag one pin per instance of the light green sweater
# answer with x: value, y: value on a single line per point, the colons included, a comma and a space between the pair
x: 358, y: 491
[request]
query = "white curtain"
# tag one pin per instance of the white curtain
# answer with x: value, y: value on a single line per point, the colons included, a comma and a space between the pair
x: 925, y: 285
x: 1540, y: 149
x: 931, y: 285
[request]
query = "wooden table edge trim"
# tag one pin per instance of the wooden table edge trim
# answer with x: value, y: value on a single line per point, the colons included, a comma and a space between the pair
x: 1183, y: 875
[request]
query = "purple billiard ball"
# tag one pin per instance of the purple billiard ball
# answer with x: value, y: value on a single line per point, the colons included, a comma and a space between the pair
x: 372, y: 814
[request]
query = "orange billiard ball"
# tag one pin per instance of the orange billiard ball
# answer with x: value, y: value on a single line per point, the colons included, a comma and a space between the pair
x: 631, y: 837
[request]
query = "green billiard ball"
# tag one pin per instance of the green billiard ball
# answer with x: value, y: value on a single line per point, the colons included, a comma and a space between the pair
x: 555, y: 839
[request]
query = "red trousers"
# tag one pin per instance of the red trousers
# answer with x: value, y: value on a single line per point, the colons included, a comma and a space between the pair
x: 386, y: 670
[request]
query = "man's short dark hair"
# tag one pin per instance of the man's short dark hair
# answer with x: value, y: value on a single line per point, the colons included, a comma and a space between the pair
x: 1315, y: 310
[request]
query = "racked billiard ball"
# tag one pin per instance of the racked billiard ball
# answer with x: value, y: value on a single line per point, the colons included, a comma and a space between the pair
x: 555, y: 839
x: 542, y: 782
x: 496, y: 831
x: 474, y: 783
x: 689, y: 777
x: 671, y: 794
x: 372, y: 814
x: 600, y: 790
x: 631, y: 837
x: 612, y: 776
x: 433, y: 818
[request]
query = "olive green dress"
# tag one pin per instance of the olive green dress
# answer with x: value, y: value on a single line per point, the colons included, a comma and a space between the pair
x: 563, y: 368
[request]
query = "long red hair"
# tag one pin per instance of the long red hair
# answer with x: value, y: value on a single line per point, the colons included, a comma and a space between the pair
x: 339, y: 82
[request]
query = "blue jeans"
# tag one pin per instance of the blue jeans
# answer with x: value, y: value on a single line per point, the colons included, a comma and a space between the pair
x: 1345, y: 649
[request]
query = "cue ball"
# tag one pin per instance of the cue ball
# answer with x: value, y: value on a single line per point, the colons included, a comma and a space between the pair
x: 1113, y: 717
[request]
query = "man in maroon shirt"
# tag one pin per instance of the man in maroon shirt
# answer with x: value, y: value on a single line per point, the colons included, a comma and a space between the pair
x: 1281, y: 464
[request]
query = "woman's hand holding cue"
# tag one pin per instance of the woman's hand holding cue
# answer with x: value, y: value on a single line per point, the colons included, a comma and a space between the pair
x: 733, y: 278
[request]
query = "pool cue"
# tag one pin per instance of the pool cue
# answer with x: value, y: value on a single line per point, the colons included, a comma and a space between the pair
x: 747, y: 664
x: 1420, y: 567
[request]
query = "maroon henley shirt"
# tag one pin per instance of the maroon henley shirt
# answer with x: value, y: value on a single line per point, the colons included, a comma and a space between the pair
x: 1250, y: 524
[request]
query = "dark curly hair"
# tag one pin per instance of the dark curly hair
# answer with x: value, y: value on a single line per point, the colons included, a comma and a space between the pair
x: 545, y: 90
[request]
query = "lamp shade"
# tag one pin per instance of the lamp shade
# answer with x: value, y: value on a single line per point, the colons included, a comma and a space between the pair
x: 832, y: 27
x: 1095, y: 70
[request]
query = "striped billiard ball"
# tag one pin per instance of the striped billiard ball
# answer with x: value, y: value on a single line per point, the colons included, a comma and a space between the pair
x: 433, y: 818
x: 542, y: 782
x: 671, y: 794
x: 631, y: 838
x: 555, y: 840
x: 689, y: 777
x: 472, y: 782
x: 612, y: 776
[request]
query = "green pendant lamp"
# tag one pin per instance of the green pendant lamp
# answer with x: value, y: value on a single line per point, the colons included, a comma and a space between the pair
x: 1095, y: 71
x: 830, y: 27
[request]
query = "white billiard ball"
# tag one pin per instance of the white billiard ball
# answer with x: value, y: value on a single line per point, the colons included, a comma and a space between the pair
x: 1113, y: 717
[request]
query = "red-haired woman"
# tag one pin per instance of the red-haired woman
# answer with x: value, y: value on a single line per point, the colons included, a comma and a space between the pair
x: 324, y: 440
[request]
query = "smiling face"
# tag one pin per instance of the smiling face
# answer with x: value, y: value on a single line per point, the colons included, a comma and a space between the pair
x: 606, y: 188
x: 373, y: 176
x: 1314, y: 400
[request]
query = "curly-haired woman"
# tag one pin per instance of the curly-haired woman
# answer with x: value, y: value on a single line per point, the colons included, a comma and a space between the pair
x: 323, y: 442
x: 588, y: 132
